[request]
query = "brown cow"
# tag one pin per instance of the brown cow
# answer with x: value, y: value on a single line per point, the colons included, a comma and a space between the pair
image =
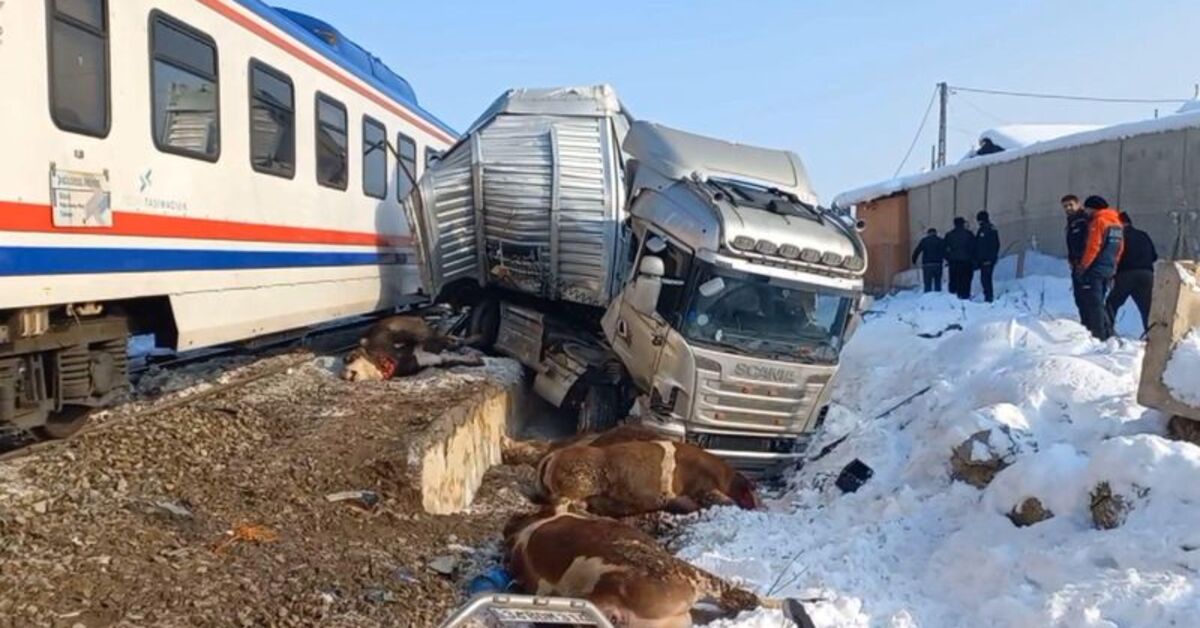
x: 399, y: 346
x: 532, y: 451
x: 631, y: 478
x: 624, y: 572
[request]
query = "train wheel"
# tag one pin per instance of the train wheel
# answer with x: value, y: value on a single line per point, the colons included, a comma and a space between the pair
x: 66, y: 423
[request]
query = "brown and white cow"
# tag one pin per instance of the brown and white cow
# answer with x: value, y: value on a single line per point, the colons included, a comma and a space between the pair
x: 624, y: 572
x: 531, y: 452
x: 399, y: 346
x: 635, y: 477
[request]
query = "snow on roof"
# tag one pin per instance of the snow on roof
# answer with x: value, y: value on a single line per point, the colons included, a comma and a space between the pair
x: 1191, y: 105
x: 1188, y: 119
x: 1015, y: 136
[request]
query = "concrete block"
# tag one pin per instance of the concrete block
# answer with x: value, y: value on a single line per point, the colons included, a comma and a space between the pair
x: 1174, y: 312
x: 447, y: 460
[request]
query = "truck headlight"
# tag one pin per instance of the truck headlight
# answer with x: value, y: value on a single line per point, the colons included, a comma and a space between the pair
x: 831, y: 259
x: 745, y: 243
x: 790, y: 251
x: 854, y: 263
x: 812, y: 256
x: 766, y: 247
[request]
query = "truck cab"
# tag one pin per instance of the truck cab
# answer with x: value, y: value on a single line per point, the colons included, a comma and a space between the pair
x: 743, y: 292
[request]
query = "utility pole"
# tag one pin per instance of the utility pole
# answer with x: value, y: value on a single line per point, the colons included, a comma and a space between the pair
x: 943, y: 97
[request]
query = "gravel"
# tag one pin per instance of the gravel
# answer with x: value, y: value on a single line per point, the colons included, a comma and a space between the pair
x: 214, y: 513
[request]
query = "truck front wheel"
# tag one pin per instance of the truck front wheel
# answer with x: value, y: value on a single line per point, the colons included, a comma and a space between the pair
x: 600, y: 409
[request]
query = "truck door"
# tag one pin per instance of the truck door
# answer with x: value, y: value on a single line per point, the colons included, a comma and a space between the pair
x: 636, y: 329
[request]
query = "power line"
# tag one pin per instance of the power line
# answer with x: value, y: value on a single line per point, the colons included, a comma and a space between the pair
x: 924, y: 119
x: 999, y: 92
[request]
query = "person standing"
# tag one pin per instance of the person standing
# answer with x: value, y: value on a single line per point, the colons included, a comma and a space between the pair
x: 1135, y: 273
x: 932, y: 253
x: 960, y: 256
x: 1077, y: 230
x: 987, y: 251
x: 1101, y: 255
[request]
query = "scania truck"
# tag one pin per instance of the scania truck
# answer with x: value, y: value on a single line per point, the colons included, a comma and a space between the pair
x: 630, y: 265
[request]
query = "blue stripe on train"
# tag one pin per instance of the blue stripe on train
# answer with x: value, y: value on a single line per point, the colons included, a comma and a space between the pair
x: 22, y: 260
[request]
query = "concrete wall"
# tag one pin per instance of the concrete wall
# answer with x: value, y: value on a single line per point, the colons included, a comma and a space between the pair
x: 1155, y: 177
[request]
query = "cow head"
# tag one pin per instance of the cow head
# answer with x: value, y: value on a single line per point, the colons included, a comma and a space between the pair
x: 743, y: 492
x: 365, y: 364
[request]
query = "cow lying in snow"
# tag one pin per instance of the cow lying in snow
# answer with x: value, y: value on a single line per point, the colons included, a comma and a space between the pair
x: 624, y: 572
x: 399, y: 346
x: 632, y: 477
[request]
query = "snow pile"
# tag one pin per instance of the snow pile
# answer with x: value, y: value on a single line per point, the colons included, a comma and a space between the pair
x: 914, y: 547
x: 1182, y: 375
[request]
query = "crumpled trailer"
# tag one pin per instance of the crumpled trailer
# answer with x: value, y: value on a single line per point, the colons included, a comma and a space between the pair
x: 524, y: 219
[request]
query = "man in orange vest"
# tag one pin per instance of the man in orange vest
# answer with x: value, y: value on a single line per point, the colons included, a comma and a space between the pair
x: 1094, y: 274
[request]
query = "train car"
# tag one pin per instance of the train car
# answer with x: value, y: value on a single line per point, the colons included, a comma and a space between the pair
x: 206, y: 171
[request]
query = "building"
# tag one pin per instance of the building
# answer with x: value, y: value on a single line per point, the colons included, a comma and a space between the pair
x: 1150, y: 168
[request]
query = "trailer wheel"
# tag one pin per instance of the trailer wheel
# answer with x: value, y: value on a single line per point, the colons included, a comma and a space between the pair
x: 65, y: 423
x: 485, y: 324
x: 600, y: 409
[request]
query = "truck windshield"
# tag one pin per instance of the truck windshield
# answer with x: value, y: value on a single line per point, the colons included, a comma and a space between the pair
x: 765, y: 317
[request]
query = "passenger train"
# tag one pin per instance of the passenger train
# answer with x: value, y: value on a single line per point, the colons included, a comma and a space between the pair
x: 203, y: 170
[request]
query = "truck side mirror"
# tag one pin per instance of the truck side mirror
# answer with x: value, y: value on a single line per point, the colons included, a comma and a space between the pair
x: 643, y: 297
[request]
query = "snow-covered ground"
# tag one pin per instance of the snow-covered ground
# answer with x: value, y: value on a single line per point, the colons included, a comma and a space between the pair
x: 1182, y: 375
x: 915, y: 548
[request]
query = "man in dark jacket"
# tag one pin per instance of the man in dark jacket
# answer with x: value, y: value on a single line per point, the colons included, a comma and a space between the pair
x: 1135, y: 272
x: 1101, y: 255
x: 932, y: 253
x: 960, y: 256
x: 987, y: 251
x: 1077, y: 230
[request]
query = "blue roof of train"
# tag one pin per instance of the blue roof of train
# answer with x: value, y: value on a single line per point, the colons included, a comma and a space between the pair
x: 328, y: 42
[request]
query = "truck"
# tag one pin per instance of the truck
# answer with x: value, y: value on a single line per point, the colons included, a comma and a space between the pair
x: 692, y: 284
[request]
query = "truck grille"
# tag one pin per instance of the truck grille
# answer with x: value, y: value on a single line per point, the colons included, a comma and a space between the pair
x: 755, y: 403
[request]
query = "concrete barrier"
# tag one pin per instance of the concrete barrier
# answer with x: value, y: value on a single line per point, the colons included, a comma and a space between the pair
x: 447, y: 460
x: 1175, y: 312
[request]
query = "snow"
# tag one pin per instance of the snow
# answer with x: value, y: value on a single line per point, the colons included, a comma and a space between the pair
x: 1016, y: 136
x: 1183, y: 120
x: 913, y: 547
x: 1182, y: 375
x: 1189, y: 106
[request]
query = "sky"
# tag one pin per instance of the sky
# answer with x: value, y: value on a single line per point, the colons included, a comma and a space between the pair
x: 842, y: 83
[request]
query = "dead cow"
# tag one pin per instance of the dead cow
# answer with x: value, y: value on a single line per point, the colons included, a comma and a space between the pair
x: 532, y: 451
x: 632, y: 478
x: 399, y: 346
x: 624, y: 572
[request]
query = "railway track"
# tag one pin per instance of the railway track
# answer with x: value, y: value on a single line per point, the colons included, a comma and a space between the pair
x: 333, y: 339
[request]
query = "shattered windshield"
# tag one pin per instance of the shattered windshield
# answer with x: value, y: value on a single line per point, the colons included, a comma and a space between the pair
x: 765, y: 317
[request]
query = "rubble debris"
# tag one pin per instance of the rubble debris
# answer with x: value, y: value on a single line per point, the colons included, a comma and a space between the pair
x: 1109, y: 509
x: 444, y: 565
x: 1183, y: 429
x: 365, y: 499
x: 854, y: 476
x: 979, y: 458
x: 1029, y: 512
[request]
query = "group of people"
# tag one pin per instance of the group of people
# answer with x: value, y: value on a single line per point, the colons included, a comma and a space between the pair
x: 1111, y: 261
x: 962, y: 252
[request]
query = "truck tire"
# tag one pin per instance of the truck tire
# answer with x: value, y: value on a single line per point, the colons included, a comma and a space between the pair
x: 484, y: 325
x: 600, y: 409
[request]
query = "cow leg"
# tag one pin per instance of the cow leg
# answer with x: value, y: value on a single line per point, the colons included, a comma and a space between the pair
x: 716, y: 498
x: 609, y: 507
x: 682, y: 505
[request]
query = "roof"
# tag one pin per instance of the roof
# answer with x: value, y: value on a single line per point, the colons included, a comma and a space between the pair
x: 677, y: 155
x: 1015, y: 136
x: 329, y: 43
x: 889, y: 187
x: 587, y: 100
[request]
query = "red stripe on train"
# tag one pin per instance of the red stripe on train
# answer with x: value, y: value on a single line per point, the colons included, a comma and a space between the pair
x: 308, y: 58
x: 38, y: 218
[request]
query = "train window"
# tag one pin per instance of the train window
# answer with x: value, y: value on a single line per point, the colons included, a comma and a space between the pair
x: 408, y: 161
x: 272, y: 121
x: 374, y: 158
x: 79, y: 87
x: 333, y: 162
x: 431, y: 156
x: 184, y: 89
